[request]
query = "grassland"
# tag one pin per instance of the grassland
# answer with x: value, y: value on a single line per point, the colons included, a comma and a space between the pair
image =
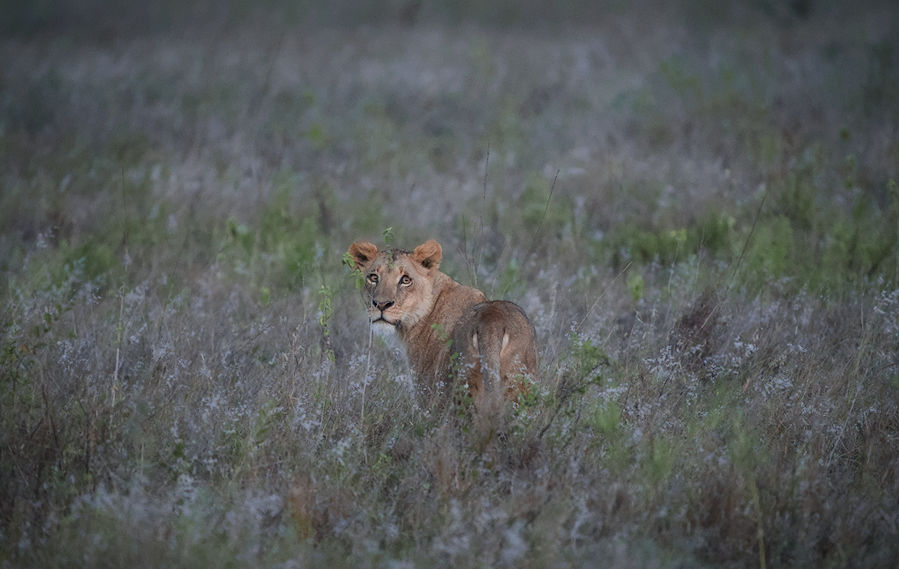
x: 696, y: 205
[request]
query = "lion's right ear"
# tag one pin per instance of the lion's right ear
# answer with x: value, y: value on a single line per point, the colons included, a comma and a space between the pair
x: 363, y: 253
x: 428, y: 254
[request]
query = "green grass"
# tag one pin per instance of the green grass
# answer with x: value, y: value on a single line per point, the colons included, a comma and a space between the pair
x: 700, y: 217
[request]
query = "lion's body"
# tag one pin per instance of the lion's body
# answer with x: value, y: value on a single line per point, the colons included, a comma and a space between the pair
x: 449, y: 330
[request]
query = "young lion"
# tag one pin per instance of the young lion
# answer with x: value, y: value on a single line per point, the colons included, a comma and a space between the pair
x: 436, y: 317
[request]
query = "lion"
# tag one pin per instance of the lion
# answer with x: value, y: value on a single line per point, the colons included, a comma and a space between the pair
x: 451, y: 331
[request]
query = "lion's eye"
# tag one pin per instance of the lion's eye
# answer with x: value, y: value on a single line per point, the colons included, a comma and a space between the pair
x: 373, y: 278
x: 405, y: 280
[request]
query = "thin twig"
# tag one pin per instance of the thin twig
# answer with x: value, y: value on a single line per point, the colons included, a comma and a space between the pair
x: 480, y: 251
x: 530, y: 250
x: 755, y: 221
x: 365, y: 377
x: 552, y: 189
x: 733, y: 275
x: 486, y: 169
x: 364, y: 385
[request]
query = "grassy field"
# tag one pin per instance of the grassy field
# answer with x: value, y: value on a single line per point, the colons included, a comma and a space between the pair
x: 696, y: 205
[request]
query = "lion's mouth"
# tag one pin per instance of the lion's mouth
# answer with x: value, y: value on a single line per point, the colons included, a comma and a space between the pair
x: 380, y: 319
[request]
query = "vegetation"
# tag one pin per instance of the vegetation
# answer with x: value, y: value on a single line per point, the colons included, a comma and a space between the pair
x: 696, y: 205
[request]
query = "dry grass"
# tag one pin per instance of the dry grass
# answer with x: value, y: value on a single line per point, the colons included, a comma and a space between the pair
x: 700, y: 215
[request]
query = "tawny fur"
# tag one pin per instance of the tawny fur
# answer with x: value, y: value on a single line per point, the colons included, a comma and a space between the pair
x: 436, y: 317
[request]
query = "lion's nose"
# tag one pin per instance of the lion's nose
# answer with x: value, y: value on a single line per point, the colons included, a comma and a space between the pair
x: 382, y: 306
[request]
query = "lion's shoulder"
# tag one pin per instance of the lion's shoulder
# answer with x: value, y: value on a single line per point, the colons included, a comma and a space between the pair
x: 457, y: 297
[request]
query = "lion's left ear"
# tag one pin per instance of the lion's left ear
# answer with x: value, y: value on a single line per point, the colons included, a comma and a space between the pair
x: 428, y: 254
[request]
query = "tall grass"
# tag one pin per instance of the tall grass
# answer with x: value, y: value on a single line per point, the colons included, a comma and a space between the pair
x: 700, y: 216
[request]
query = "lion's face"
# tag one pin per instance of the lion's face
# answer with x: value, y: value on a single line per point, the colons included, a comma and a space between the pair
x: 398, y: 284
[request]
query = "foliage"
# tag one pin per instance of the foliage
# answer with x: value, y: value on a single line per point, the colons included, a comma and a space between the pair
x: 700, y: 217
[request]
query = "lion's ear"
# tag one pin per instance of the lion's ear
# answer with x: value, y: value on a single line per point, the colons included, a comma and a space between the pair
x: 363, y: 253
x: 428, y: 254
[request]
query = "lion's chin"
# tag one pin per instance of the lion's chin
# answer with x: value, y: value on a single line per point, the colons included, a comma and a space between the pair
x: 383, y: 328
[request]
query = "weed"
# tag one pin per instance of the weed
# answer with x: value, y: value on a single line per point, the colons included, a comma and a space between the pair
x: 324, y: 308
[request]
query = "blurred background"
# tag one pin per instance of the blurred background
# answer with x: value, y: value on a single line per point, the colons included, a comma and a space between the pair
x: 654, y: 118
x: 45, y: 15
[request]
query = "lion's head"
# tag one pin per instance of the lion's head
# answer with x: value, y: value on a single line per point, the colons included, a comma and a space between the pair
x: 398, y: 284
